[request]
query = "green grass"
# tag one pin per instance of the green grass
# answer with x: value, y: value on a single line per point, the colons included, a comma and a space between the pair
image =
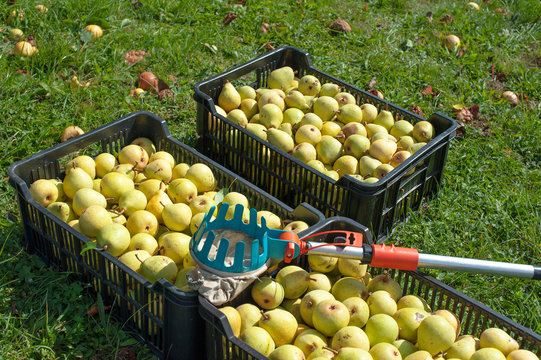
x: 488, y: 207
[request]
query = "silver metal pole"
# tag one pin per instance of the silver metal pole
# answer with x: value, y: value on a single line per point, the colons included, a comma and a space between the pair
x: 348, y: 252
x: 475, y: 266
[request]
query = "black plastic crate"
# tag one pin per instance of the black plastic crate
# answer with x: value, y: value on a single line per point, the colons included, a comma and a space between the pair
x: 159, y: 315
x: 473, y: 315
x: 379, y: 206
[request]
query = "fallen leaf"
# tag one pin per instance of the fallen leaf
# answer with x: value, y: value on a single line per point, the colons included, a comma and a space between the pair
x: 228, y: 18
x: 416, y: 110
x: 135, y: 55
x: 376, y: 93
x: 339, y: 26
x: 461, y: 51
x: 269, y: 46
x: 372, y: 83
x: 31, y: 40
x: 125, y: 353
x: 502, y: 11
x: 467, y: 113
x: 24, y: 72
x: 93, y: 311
x: 265, y: 27
x: 429, y: 16
x: 429, y: 91
x: 447, y: 18
x: 166, y: 93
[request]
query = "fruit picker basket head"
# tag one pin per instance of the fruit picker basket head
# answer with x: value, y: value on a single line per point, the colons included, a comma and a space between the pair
x: 380, y: 206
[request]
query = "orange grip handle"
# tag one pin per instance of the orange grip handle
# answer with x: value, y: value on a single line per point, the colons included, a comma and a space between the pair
x: 394, y: 257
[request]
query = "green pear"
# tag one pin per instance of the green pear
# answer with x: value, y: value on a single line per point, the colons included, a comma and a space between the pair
x: 247, y: 92
x: 309, y: 85
x: 349, y: 286
x: 488, y: 354
x: 76, y: 179
x: 267, y: 293
x: 498, y: 339
x: 295, y: 99
x: 131, y: 201
x: 176, y: 217
x: 350, y: 336
x: 281, y: 78
x: 463, y: 348
x: 319, y: 281
x: 233, y: 198
x: 259, y: 339
x: 385, y: 282
x: 381, y: 135
x: 287, y: 352
x: 114, y: 184
x: 44, y: 192
x: 292, y: 116
x: 329, y: 316
x: 332, y: 174
x: 370, y: 112
x: 311, y: 119
x: 202, y: 176
x: 202, y: 204
x: 280, y: 139
x: 134, y: 155
x: 272, y: 97
x: 181, y: 281
x: 405, y: 347
x: 435, y: 334
x: 413, y: 301
x: 179, y: 171
x: 385, y: 351
x: 383, y: 150
x: 350, y: 129
x: 404, y: 142
x: 344, y: 98
x: 372, y: 129
x: 381, y: 328
x: 401, y: 128
x: 356, y: 145
x: 61, y: 195
x: 381, y: 302
x: 451, y: 319
x: 416, y: 147
x: 346, y: 165
x: 182, y: 190
x: 349, y: 113
x: 382, y: 170
x: 143, y: 241
x: 160, y: 169
x: 522, y: 354
x: 309, y: 134
x: 233, y: 318
x: 287, y: 128
x: 85, y: 197
x: 385, y: 118
x: 310, y: 340
x: 329, y: 89
x: 294, y: 307
x: 359, y: 312
x: 317, y: 164
x: 157, y: 203
x: 258, y: 130
x: 238, y: 117
x: 151, y: 186
x: 309, y: 301
x: 408, y: 320
x: 142, y: 221
x: 84, y: 162
x: 323, y: 353
x: 272, y: 220
x: 159, y: 267
x: 423, y: 131
x: 325, y: 107
x: 330, y: 128
x: 114, y: 238
x: 163, y: 155
x: 249, y: 107
x: 322, y: 263
x: 352, y: 267
x: 294, y: 280
x: 399, y: 157
x: 296, y: 226
x: 146, y: 144
x: 134, y: 258
x: 62, y: 210
x: 305, y: 152
x: 328, y: 149
x: 93, y: 219
x: 271, y: 116
x: 125, y: 169
x: 419, y: 355
x: 249, y: 315
x: 280, y: 324
x: 229, y: 97
x: 367, y: 165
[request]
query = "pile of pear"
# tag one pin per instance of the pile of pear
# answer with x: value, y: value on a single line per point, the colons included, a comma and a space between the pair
x: 142, y: 207
x: 338, y: 310
x: 323, y: 126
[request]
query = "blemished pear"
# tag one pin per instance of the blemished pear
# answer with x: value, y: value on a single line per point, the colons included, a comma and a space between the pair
x: 159, y: 267
x: 359, y: 312
x: 229, y: 97
x: 62, y: 210
x: 325, y: 107
x: 309, y: 340
x: 309, y: 134
x: 267, y: 293
x: 271, y: 116
x: 385, y: 351
x: 350, y: 336
x: 294, y: 280
x: 44, y: 192
x: 329, y: 89
x: 349, y: 113
x: 280, y: 324
x: 309, y: 85
x: 160, y: 169
x: 328, y: 149
x: 385, y: 282
x: 329, y: 316
x: 344, y: 98
x: 309, y: 302
x: 134, y: 155
x: 305, y: 152
x: 275, y: 97
x: 423, y: 131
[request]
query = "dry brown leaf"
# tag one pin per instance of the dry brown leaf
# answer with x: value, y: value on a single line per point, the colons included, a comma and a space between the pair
x: 126, y: 353
x: 416, y: 110
x: 502, y: 11
x: 265, y: 27
x: 429, y: 91
x: 372, y: 83
x: 467, y: 113
x: 447, y: 18
x: 93, y: 311
x: 269, y: 46
x: 165, y: 93
x: 228, y: 18
x: 462, y: 50
x: 339, y: 26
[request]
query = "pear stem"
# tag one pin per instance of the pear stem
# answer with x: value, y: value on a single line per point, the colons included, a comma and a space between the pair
x: 157, y: 250
x: 137, y: 257
x: 330, y: 349
x: 117, y: 212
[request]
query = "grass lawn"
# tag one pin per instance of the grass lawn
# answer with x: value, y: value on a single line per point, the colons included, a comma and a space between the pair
x: 488, y: 208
